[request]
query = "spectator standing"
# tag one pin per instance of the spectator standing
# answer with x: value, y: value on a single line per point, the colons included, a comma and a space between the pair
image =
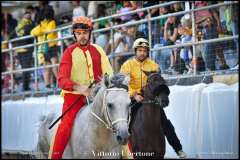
x: 25, y: 57
x: 78, y: 10
x: 92, y: 9
x: 10, y: 24
x: 101, y: 37
x: 127, y: 7
x: 170, y: 35
x: 40, y: 11
x: 50, y: 57
x: 208, y: 22
x: 155, y: 55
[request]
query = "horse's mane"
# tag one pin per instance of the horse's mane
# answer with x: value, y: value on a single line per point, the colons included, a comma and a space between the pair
x: 118, y: 79
x: 115, y: 80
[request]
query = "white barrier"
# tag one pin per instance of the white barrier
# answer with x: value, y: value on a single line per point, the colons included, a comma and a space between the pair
x: 205, y: 117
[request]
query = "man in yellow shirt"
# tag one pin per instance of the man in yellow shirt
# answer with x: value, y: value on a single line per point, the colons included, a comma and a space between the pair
x: 135, y: 67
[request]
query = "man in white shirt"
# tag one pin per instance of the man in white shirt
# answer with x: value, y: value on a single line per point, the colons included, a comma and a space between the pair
x: 77, y: 9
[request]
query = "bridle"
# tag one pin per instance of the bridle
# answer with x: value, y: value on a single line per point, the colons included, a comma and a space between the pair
x: 108, y: 122
x: 151, y: 101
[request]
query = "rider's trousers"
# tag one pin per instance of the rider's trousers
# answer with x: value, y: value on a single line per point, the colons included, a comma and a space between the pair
x: 63, y: 132
x: 169, y: 132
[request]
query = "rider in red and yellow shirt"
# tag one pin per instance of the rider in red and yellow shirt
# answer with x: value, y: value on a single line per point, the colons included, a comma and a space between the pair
x: 82, y: 63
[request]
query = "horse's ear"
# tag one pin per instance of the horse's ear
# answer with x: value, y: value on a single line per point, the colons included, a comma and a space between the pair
x: 159, y: 71
x: 106, y: 80
x: 148, y: 73
x: 126, y: 80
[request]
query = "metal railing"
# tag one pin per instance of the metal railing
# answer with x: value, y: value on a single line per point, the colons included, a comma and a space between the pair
x: 111, y: 29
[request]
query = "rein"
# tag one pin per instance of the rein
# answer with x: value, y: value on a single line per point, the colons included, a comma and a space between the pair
x: 145, y: 102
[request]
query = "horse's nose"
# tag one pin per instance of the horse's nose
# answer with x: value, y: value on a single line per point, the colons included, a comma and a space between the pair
x: 165, y: 102
x: 122, y: 136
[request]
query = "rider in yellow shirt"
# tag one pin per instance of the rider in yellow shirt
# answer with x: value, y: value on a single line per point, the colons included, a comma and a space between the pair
x: 135, y: 67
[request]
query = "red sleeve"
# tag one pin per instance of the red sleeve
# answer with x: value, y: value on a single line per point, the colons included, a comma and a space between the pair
x: 64, y: 72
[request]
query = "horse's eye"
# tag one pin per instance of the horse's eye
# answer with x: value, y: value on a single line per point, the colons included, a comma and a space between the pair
x: 110, y: 105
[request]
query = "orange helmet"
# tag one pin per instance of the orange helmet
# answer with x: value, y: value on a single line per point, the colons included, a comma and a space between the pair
x: 82, y: 23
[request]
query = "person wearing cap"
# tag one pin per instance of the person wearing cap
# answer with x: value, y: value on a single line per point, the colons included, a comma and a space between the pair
x: 82, y: 63
x: 135, y: 67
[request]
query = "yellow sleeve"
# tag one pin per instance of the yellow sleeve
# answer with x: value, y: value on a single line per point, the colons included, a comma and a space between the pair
x: 36, y: 31
x: 157, y: 67
x: 51, y: 26
x: 125, y: 68
x: 106, y: 66
x: 154, y: 66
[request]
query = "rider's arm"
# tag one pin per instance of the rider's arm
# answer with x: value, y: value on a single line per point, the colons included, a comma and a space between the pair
x: 82, y: 89
x: 64, y: 73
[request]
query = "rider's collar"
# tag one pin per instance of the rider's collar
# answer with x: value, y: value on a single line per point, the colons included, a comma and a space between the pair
x: 138, y: 61
x: 84, y: 48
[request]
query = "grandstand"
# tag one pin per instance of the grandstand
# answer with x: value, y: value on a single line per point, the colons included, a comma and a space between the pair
x: 204, y: 58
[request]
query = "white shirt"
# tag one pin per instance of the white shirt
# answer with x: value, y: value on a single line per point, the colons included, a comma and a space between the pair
x: 120, y: 47
x: 78, y: 11
x: 92, y: 9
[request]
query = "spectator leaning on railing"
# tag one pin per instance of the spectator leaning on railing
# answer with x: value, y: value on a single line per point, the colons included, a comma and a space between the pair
x: 170, y: 35
x: 47, y: 52
x: 101, y: 38
x: 207, y: 21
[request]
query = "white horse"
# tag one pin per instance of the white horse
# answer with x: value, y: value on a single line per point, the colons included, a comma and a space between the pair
x: 100, y: 129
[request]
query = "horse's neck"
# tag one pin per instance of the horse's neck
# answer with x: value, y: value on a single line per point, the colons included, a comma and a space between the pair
x: 147, y: 94
x: 98, y: 102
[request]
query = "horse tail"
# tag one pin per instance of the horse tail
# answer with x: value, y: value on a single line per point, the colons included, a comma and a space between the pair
x: 42, y: 118
x: 47, y: 119
x: 43, y: 145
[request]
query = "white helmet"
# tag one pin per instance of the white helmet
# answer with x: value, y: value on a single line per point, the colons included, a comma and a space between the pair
x: 140, y: 42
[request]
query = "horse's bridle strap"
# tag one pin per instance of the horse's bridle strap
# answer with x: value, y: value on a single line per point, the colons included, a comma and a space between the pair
x: 150, y: 101
x: 119, y: 86
x: 119, y: 120
x: 109, y: 124
x: 100, y: 120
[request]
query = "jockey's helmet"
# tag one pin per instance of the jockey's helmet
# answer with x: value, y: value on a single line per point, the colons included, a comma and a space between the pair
x: 140, y: 42
x: 82, y: 23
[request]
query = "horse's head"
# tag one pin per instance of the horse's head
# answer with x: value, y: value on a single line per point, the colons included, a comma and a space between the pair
x: 117, y: 103
x: 156, y: 88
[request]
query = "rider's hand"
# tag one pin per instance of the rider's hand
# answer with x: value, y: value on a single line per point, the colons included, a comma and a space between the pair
x: 138, y: 98
x: 82, y: 89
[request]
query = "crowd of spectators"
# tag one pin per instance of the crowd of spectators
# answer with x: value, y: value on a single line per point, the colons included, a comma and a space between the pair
x: 210, y: 23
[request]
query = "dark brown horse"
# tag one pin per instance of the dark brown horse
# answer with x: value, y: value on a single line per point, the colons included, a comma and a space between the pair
x: 147, y: 136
